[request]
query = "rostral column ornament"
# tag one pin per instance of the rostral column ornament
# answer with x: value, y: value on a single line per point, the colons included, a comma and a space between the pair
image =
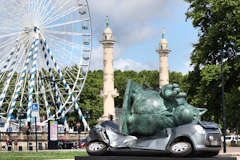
x: 107, y: 21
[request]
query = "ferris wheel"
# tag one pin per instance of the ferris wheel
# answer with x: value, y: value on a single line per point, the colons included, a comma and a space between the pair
x: 45, y: 52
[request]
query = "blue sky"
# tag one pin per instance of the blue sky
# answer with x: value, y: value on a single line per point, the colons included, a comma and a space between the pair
x: 137, y: 26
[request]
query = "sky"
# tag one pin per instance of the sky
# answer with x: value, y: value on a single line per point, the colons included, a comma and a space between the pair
x: 137, y: 26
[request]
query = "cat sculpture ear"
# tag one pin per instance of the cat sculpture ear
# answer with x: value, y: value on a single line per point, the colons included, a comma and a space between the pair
x: 202, y: 111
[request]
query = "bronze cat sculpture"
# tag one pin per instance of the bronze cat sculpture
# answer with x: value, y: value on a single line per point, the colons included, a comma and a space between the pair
x: 147, y: 112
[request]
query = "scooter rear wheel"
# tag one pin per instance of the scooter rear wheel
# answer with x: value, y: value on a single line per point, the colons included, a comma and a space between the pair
x: 96, y: 148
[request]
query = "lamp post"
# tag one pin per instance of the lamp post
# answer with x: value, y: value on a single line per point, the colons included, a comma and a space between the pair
x: 87, y: 116
x: 223, y: 109
x: 27, y: 133
x: 55, y: 99
x: 20, y: 115
x: 35, y: 119
x: 79, y: 134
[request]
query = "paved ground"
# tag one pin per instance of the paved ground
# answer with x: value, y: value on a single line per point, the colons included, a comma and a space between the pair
x: 232, y: 151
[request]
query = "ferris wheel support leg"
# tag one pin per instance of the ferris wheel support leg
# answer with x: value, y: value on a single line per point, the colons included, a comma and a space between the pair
x: 7, y: 62
x: 53, y: 80
x: 9, y: 76
x: 43, y: 90
x: 58, y: 70
x: 63, y: 118
x: 32, y: 79
x: 19, y: 86
x: 57, y: 91
x: 9, y: 58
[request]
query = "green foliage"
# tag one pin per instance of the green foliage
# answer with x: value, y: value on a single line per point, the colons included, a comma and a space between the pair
x: 218, y: 22
x: 90, y: 99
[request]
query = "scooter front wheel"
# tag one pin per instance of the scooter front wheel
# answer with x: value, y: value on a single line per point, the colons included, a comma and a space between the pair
x: 96, y: 148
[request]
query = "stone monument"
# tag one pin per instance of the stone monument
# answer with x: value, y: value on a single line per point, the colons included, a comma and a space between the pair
x: 163, y: 52
x: 108, y: 93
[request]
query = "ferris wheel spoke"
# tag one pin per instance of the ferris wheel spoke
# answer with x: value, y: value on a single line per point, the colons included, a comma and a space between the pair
x: 41, y: 6
x: 65, y: 23
x: 58, y: 5
x: 47, y: 8
x: 69, y: 74
x: 59, y: 16
x: 4, y: 28
x: 7, y: 43
x: 17, y: 3
x: 10, y: 34
x: 50, y: 6
x: 60, y: 41
x: 11, y: 21
x: 68, y: 33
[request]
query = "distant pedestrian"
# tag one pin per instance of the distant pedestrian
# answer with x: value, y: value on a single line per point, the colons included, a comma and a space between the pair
x: 15, y: 144
x: 111, y: 117
x: 7, y: 142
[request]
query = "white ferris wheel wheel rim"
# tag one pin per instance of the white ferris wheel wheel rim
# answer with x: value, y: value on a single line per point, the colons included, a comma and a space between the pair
x: 57, y: 22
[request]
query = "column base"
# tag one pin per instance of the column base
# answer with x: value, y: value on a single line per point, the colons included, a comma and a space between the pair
x: 105, y: 118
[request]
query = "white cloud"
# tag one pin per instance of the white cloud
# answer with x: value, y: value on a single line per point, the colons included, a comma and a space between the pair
x: 131, y: 22
x: 97, y: 57
x: 119, y: 63
x: 129, y: 64
x: 129, y: 19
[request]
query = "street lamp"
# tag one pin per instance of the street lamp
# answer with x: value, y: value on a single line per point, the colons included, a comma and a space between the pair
x: 223, y: 109
x: 87, y: 116
x: 20, y: 115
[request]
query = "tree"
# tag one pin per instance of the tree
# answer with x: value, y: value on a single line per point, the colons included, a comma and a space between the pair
x: 90, y: 98
x: 218, y: 22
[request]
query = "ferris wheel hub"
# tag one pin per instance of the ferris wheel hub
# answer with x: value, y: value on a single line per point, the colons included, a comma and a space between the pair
x: 28, y: 30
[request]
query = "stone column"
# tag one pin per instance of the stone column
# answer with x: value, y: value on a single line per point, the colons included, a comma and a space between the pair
x: 163, y: 52
x: 108, y: 92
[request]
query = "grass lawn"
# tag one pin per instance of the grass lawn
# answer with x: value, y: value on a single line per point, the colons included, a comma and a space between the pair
x: 39, y: 155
